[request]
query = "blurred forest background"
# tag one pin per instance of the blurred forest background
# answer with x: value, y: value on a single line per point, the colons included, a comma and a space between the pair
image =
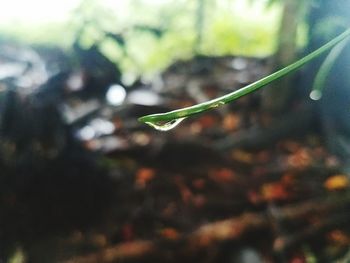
x: 264, y: 179
x: 167, y: 30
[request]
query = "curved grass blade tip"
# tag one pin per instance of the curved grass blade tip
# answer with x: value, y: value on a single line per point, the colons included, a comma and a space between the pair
x: 165, y: 121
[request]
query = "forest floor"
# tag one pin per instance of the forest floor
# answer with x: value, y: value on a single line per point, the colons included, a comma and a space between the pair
x: 231, y: 185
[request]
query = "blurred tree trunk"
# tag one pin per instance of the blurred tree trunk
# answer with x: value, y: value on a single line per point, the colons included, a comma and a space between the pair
x: 325, y: 19
x: 277, y: 97
x: 200, y: 12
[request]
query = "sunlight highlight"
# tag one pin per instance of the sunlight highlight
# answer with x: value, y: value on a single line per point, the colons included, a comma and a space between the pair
x: 36, y: 11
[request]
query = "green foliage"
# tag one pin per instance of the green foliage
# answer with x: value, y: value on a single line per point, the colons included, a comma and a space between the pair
x: 48, y: 34
x: 156, y: 33
x: 226, y: 36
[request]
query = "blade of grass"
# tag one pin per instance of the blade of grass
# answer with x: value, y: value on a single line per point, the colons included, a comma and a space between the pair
x: 324, y: 70
x: 163, y: 118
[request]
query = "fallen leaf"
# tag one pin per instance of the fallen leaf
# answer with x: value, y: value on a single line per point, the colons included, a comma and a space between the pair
x: 288, y: 179
x: 184, y: 190
x: 143, y: 176
x: 170, y: 233
x: 254, y: 197
x: 274, y: 191
x: 242, y: 156
x: 231, y: 122
x: 339, y: 237
x: 301, y: 159
x: 207, y: 121
x: 222, y: 175
x: 336, y: 182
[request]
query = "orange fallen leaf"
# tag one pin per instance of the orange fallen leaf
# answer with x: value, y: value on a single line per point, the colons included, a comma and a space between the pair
x: 288, y: 179
x: 339, y: 237
x: 274, y: 191
x: 242, y: 156
x: 231, y: 122
x: 143, y: 176
x: 170, y: 233
x: 207, y: 121
x: 222, y: 175
x: 254, y: 197
x: 336, y: 182
x: 300, y: 159
x: 184, y: 190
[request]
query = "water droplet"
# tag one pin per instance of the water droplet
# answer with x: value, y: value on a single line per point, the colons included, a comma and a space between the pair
x: 315, y: 95
x: 165, y: 125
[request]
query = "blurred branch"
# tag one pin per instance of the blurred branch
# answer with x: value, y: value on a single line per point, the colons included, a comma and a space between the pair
x: 277, y: 98
x: 204, y: 236
x: 128, y: 250
x: 230, y: 229
x: 284, y: 243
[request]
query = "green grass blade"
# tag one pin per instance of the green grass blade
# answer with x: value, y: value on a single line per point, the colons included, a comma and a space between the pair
x: 163, y: 118
x: 324, y: 70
